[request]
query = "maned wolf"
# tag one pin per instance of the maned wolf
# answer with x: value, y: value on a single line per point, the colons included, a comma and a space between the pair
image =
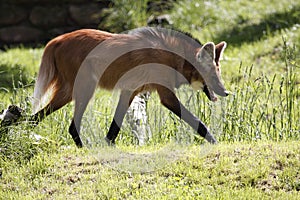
x: 145, y: 59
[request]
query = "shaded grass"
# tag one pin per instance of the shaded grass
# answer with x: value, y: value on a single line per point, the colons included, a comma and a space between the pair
x: 18, y: 67
x: 247, y: 31
x: 235, y: 21
x: 114, y: 20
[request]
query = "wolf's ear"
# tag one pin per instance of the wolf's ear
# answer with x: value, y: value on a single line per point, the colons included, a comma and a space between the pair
x: 219, y: 50
x: 207, y: 52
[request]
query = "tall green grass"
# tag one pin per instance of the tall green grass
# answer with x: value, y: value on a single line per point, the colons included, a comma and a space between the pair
x: 265, y: 107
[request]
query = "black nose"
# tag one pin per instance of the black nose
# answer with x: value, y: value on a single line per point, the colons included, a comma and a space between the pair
x: 226, y: 93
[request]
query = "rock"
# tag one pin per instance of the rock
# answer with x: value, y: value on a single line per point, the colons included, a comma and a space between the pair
x: 59, y: 31
x: 20, y: 34
x: 34, y: 2
x: 85, y: 14
x: 11, y: 14
x: 48, y: 16
x: 35, y: 21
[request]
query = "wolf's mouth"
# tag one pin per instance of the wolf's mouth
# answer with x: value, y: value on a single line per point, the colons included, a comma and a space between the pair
x: 209, y: 93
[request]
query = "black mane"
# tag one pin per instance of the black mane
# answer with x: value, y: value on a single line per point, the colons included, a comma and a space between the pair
x: 157, y: 30
x: 188, y: 34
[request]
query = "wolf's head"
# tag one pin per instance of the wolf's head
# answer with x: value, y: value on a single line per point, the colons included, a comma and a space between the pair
x: 10, y: 115
x: 209, y: 77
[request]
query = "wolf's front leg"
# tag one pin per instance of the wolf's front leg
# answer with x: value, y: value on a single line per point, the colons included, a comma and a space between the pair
x: 169, y: 100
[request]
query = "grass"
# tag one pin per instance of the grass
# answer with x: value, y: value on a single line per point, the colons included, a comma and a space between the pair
x: 229, y: 171
x: 257, y: 126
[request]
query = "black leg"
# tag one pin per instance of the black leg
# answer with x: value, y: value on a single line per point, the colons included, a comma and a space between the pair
x: 83, y: 91
x: 39, y: 116
x: 74, y: 133
x: 112, y: 134
x: 122, y: 107
x: 170, y: 101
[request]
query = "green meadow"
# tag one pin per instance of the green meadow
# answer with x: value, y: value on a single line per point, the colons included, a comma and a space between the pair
x: 257, y: 126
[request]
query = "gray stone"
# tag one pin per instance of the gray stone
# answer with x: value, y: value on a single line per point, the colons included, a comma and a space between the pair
x: 11, y: 14
x: 48, y: 17
x: 33, y: 2
x: 59, y: 31
x: 85, y: 14
x: 21, y: 34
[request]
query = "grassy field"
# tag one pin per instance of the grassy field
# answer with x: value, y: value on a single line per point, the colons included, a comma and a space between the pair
x: 261, y: 170
x: 258, y: 126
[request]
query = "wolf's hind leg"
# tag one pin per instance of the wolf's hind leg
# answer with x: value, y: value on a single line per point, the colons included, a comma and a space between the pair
x: 125, y: 100
x: 61, y: 97
x: 82, y: 94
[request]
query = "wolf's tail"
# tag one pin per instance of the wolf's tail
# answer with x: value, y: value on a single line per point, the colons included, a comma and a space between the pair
x: 47, y: 78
